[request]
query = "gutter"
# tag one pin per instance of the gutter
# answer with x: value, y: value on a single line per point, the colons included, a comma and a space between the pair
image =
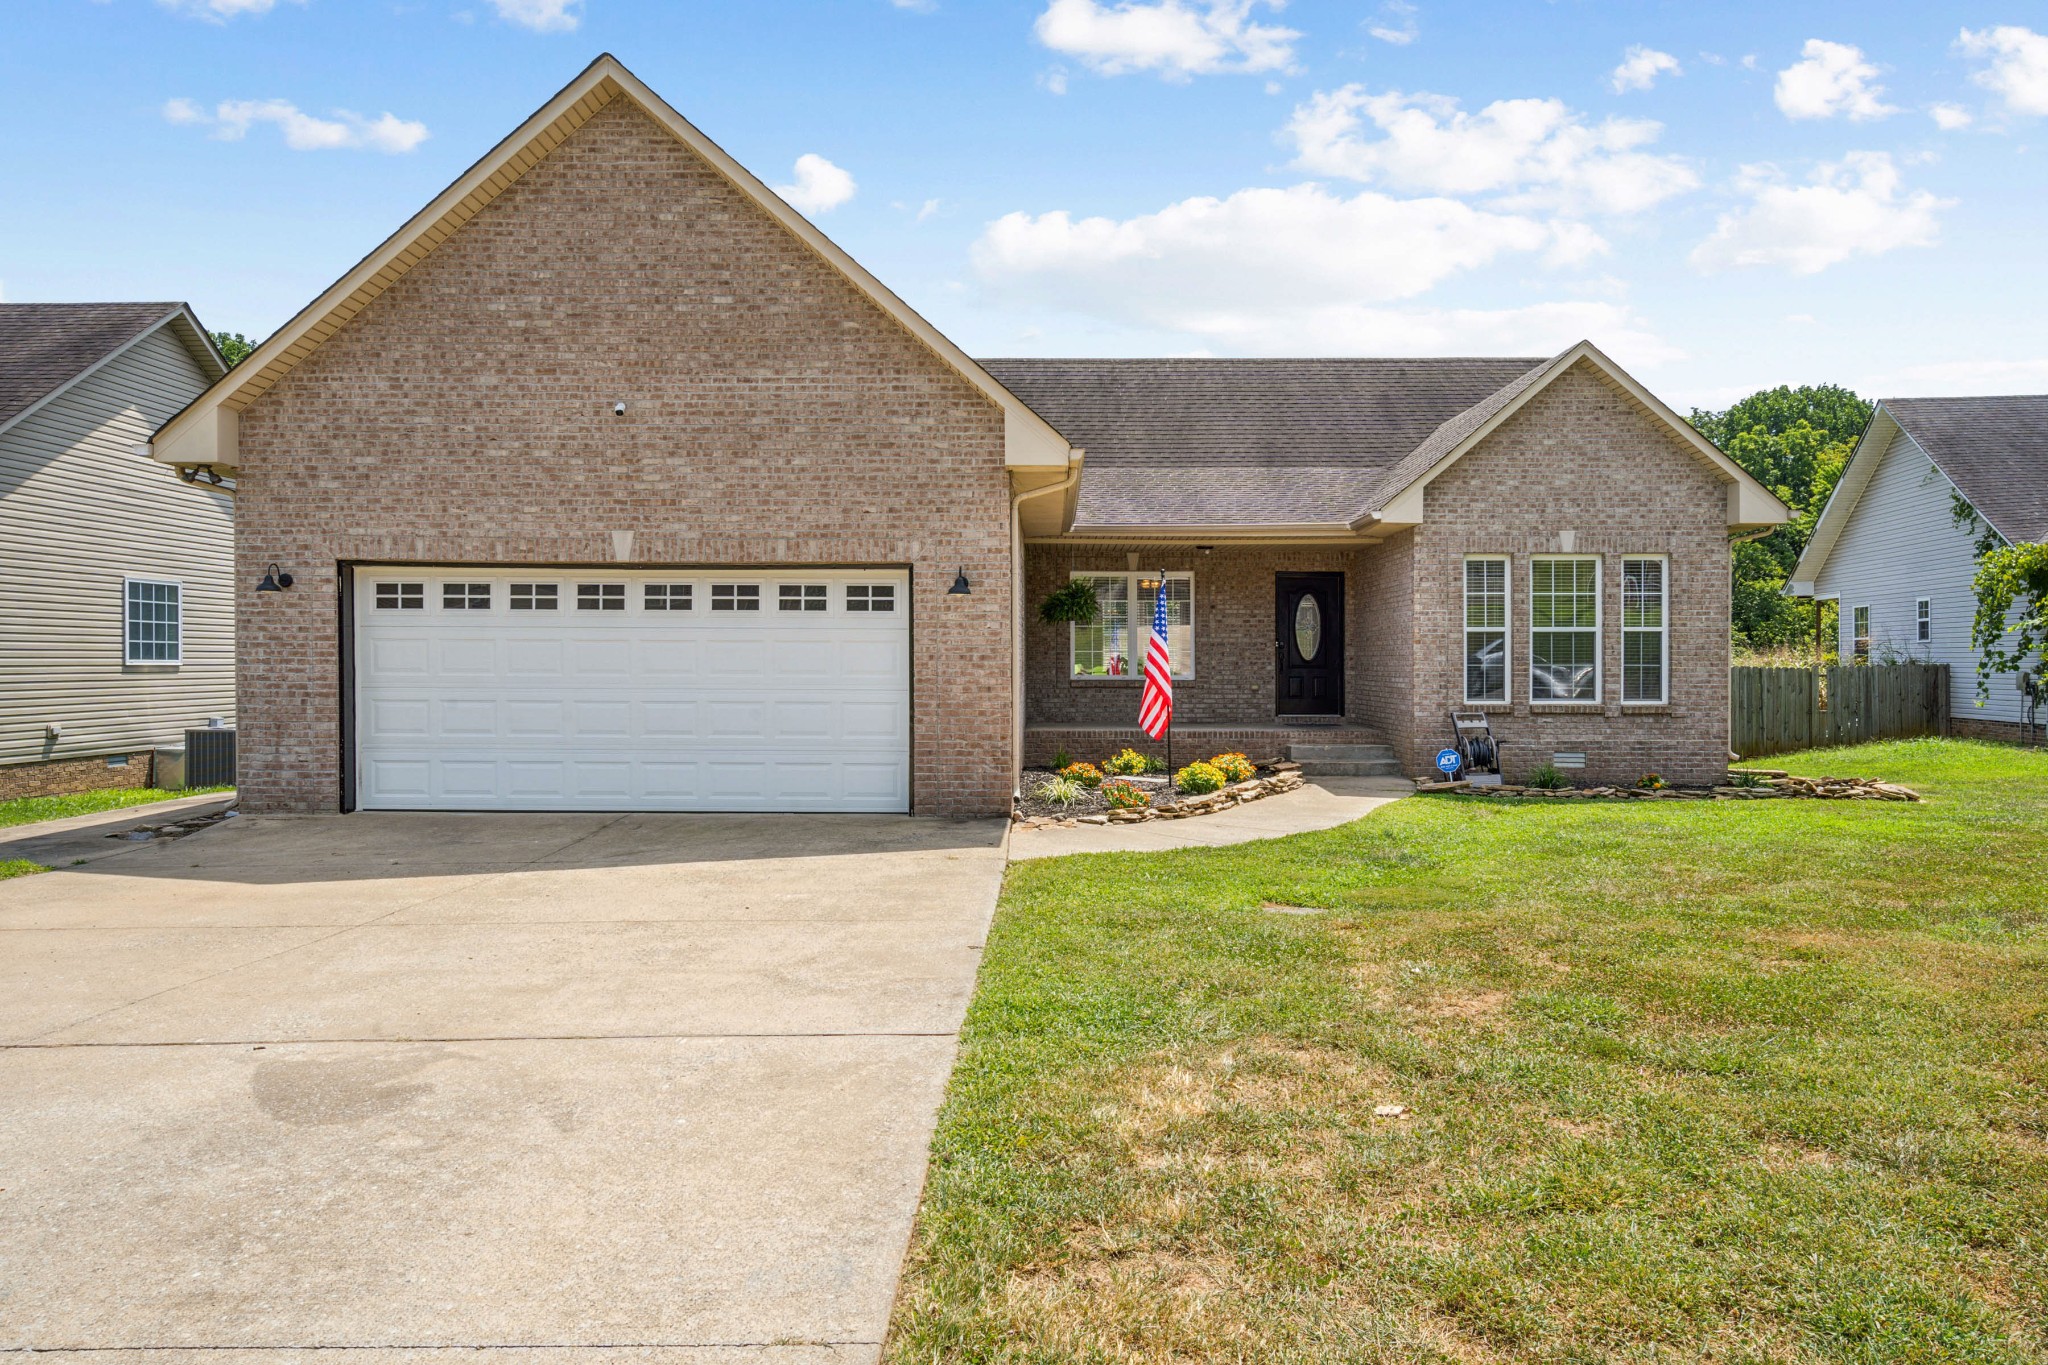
x: 1017, y: 501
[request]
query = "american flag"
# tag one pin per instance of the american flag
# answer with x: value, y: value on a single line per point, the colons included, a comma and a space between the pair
x: 1155, y: 703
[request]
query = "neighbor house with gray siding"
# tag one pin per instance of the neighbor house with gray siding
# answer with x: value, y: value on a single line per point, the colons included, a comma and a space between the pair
x: 116, y: 617
x: 1890, y: 550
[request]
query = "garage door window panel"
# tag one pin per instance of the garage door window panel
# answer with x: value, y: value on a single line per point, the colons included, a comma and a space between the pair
x: 465, y: 597
x: 535, y: 597
x: 735, y: 597
x: 668, y: 597
x: 401, y: 596
x: 600, y: 597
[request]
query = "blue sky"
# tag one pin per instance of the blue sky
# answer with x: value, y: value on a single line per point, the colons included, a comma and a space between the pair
x: 1723, y: 196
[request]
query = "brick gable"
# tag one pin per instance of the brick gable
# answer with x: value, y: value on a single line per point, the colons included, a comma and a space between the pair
x: 775, y: 416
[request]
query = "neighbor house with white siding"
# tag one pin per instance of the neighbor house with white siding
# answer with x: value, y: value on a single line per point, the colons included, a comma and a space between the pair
x: 1891, y: 551
x: 116, y: 611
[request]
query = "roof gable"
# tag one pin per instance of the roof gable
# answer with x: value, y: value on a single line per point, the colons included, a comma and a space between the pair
x: 45, y: 348
x: 1399, y: 499
x: 207, y: 432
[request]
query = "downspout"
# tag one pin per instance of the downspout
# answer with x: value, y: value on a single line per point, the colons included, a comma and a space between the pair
x: 1017, y: 501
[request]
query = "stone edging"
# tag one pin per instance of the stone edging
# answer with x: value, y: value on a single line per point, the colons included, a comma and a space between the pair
x: 1775, y: 785
x: 1285, y: 778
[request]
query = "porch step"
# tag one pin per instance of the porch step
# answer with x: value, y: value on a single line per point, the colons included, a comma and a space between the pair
x: 1345, y: 760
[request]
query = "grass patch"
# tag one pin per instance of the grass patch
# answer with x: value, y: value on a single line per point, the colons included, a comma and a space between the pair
x: 19, y: 867
x: 1687, y: 1081
x: 29, y: 810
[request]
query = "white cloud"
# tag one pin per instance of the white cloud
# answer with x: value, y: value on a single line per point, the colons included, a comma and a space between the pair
x: 1053, y: 82
x: 1961, y: 378
x: 819, y: 186
x: 2018, y: 73
x: 1832, y: 78
x: 1853, y: 207
x: 1537, y: 151
x: 1396, y: 24
x: 916, y: 6
x: 220, y: 11
x: 231, y: 121
x: 1641, y: 66
x: 927, y: 209
x: 1949, y: 117
x: 542, y: 16
x: 1176, y: 38
x: 1215, y: 267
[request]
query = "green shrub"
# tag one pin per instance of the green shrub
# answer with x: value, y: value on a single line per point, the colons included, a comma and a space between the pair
x: 1123, y: 795
x: 1234, y: 767
x: 1154, y: 764
x: 1061, y: 760
x: 1547, y: 778
x: 1087, y: 774
x: 1060, y: 791
x: 1651, y: 782
x: 1199, y: 779
x: 1128, y: 763
x: 1746, y: 780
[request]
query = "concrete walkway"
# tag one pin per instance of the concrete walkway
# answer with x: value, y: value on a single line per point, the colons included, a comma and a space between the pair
x: 1320, y: 803
x: 402, y: 1082
x: 84, y: 838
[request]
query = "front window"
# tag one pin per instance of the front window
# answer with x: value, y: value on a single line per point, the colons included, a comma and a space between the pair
x: 1113, y: 644
x: 1564, y: 629
x: 1486, y: 630
x: 154, y: 612
x: 1860, y: 639
x: 1644, y: 630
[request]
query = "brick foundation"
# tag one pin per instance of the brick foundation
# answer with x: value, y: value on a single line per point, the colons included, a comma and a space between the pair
x: 65, y: 776
x: 1997, y: 731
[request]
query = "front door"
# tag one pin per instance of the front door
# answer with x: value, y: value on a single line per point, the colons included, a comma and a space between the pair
x: 1308, y: 642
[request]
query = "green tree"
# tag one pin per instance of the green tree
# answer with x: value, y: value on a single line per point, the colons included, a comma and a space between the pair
x: 2012, y: 576
x: 1796, y: 443
x: 233, y: 347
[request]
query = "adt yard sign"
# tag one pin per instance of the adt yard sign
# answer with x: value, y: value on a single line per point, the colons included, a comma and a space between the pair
x: 1448, y: 762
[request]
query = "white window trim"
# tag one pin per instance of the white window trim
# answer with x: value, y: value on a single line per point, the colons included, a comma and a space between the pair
x: 1923, y: 620
x: 1507, y: 630
x: 1865, y: 637
x: 1131, y: 598
x: 1663, y: 697
x: 1599, y: 696
x: 127, y: 661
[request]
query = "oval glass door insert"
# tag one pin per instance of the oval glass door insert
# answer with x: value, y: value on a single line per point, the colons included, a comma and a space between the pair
x: 1308, y: 627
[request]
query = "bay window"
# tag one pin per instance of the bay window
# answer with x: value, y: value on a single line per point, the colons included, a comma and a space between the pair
x: 1113, y: 644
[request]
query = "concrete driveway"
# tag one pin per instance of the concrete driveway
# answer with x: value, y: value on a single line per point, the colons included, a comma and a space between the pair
x: 579, y: 1083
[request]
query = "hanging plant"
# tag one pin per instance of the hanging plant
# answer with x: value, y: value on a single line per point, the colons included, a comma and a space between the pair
x: 1075, y: 602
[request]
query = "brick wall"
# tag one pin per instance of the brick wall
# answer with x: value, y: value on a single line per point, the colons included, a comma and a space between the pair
x: 1580, y: 469
x: 1234, y: 680
x: 64, y: 776
x: 776, y: 416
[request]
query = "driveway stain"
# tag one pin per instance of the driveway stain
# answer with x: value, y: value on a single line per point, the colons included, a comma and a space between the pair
x: 327, y: 1090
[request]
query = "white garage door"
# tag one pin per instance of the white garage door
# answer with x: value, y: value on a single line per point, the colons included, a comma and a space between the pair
x: 530, y: 689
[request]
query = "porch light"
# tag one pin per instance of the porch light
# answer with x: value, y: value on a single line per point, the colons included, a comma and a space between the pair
x: 960, y: 586
x: 274, y: 581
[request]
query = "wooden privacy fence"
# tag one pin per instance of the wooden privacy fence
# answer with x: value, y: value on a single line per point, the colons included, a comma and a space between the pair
x: 1778, y: 710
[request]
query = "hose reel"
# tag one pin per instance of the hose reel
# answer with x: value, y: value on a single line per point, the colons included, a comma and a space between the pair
x: 1473, y: 739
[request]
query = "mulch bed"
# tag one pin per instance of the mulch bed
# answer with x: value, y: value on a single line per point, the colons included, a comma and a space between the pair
x: 1765, y: 784
x: 1033, y: 806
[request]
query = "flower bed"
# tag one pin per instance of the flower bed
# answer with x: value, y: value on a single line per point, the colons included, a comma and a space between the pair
x: 1091, y: 807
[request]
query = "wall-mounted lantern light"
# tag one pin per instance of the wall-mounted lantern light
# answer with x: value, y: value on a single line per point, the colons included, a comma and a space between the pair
x: 960, y: 586
x: 274, y: 581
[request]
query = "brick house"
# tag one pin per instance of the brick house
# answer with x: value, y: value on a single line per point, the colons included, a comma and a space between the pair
x: 609, y: 482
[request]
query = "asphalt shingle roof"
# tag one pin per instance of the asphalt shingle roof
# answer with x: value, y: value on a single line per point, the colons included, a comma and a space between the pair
x: 44, y: 346
x: 1994, y: 449
x: 1250, y: 442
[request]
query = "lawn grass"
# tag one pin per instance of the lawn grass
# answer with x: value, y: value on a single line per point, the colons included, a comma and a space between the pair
x: 1718, y: 1081
x: 28, y: 810
x: 19, y: 867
